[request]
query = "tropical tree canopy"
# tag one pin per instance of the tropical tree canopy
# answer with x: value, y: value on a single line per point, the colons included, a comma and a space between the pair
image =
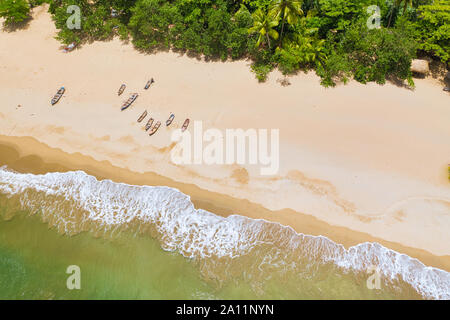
x: 14, y: 11
x: 331, y: 37
x: 264, y: 24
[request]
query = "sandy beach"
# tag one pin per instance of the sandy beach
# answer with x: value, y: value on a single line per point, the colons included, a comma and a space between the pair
x: 357, y: 162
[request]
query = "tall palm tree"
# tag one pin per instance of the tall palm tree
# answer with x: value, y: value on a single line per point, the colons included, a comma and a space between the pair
x: 397, y: 4
x: 288, y: 10
x: 264, y: 24
x: 405, y: 4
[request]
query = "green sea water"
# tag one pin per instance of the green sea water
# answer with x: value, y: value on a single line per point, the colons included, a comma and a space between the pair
x: 34, y: 259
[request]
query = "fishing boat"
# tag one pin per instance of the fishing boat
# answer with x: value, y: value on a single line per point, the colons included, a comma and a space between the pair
x: 185, y: 125
x: 58, y: 95
x: 149, y: 83
x: 128, y: 103
x: 155, y: 128
x: 169, y: 121
x: 149, y: 124
x: 121, y: 89
x: 142, y: 117
x: 70, y: 47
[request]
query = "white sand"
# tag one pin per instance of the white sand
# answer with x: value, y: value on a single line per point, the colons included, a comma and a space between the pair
x: 368, y: 157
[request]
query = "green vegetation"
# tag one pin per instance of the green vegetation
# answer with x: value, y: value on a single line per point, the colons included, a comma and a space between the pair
x: 14, y: 11
x: 331, y: 37
x: 264, y: 25
x: 370, y: 55
x: 433, y: 29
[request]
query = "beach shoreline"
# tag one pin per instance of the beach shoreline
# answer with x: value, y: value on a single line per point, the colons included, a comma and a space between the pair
x: 26, y: 155
x: 358, y: 162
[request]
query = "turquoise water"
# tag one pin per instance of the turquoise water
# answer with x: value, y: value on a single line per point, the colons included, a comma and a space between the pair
x: 135, y: 242
x: 34, y: 260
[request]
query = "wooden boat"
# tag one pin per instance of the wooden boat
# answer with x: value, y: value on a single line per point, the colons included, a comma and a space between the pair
x: 155, y: 128
x: 149, y: 83
x: 121, y: 89
x: 58, y: 95
x: 169, y: 121
x: 128, y: 103
x: 70, y: 47
x: 149, y: 124
x: 142, y: 117
x: 185, y: 125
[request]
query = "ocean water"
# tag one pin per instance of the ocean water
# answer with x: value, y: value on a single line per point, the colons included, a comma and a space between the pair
x: 142, y: 242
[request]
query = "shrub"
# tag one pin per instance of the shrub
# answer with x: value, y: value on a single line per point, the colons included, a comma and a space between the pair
x: 14, y: 11
x: 372, y: 55
x: 433, y: 28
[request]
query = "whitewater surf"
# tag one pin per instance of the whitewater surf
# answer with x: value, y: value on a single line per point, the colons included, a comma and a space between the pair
x: 224, y: 248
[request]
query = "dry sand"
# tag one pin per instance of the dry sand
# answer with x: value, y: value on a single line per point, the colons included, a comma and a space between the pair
x: 367, y: 158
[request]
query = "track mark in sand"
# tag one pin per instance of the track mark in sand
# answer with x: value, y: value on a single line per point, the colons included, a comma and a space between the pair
x: 167, y: 148
x: 149, y: 162
x: 399, y: 215
x: 38, y: 11
x: 100, y: 139
x: 365, y: 219
x: 12, y: 129
x: 117, y: 155
x: 104, y: 138
x: 55, y: 129
x: 399, y: 205
x: 322, y: 188
x: 240, y: 175
x: 400, y: 210
x: 127, y: 140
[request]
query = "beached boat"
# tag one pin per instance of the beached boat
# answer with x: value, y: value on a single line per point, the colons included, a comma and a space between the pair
x: 169, y: 121
x: 142, y: 117
x: 155, y: 128
x: 185, y: 125
x: 149, y: 124
x: 70, y: 47
x: 128, y: 103
x: 58, y: 95
x: 121, y: 89
x: 149, y: 83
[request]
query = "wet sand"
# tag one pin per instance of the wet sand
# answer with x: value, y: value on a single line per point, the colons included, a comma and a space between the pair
x: 357, y: 162
x: 26, y: 155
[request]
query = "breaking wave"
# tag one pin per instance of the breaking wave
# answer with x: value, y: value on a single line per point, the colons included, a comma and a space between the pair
x: 75, y: 201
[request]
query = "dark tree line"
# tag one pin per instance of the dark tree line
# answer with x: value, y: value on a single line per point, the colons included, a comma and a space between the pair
x: 329, y: 36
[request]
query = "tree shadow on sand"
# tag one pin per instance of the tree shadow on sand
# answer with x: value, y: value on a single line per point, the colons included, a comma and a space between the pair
x: 438, y: 71
x: 199, y: 56
x: 401, y: 83
x: 16, y: 26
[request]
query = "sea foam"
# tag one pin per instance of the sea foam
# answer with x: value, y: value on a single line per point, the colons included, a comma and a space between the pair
x: 74, y: 198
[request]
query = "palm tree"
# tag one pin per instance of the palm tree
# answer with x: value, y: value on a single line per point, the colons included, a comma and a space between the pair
x: 264, y: 24
x: 397, y: 4
x: 305, y: 45
x: 405, y: 4
x: 289, y: 10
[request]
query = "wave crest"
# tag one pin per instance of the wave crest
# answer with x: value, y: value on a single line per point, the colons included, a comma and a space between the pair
x: 74, y: 202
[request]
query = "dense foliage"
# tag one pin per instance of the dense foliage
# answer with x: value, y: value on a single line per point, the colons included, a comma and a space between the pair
x: 333, y: 37
x: 14, y: 11
x: 433, y: 27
